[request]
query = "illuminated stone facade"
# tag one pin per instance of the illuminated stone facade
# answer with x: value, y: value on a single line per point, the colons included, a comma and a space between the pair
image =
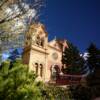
x: 42, y: 56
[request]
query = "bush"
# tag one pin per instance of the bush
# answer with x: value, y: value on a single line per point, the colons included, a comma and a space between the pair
x: 17, y: 83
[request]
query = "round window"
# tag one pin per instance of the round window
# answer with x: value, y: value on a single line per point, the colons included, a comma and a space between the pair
x: 55, y: 55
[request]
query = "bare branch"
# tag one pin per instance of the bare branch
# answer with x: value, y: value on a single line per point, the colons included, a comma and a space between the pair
x: 2, y: 3
x: 14, y: 13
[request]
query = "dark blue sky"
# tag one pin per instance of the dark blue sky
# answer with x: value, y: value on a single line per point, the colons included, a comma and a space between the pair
x: 75, y: 20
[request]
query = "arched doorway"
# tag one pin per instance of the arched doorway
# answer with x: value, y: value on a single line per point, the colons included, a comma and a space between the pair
x: 55, y: 70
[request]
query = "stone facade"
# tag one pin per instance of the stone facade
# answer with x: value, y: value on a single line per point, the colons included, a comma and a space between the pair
x: 42, y: 56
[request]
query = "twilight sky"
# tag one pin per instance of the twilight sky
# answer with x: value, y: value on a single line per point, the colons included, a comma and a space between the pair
x: 75, y: 20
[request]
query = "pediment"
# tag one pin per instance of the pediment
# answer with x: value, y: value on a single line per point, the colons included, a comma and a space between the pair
x: 55, y: 44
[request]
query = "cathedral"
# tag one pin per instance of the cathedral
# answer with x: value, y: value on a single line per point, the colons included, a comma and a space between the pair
x: 43, y: 56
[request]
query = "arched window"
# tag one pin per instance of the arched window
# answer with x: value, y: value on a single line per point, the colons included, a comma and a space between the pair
x: 41, y: 70
x: 38, y: 40
x: 36, y: 68
x: 42, y: 42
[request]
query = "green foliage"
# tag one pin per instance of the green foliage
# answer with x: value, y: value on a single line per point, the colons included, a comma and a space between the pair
x: 94, y: 56
x: 93, y: 79
x: 72, y: 60
x: 80, y: 92
x: 17, y: 83
x: 55, y: 93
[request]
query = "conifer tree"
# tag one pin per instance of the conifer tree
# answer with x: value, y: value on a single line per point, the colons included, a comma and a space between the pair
x: 94, y: 56
x: 17, y: 83
x: 93, y: 79
x: 71, y: 59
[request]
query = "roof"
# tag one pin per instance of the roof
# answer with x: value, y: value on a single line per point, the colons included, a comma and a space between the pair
x: 56, y: 43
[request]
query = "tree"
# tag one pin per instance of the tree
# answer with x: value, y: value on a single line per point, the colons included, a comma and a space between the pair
x: 93, y: 79
x: 15, y: 17
x: 17, y: 83
x: 93, y: 56
x: 80, y: 92
x: 72, y: 60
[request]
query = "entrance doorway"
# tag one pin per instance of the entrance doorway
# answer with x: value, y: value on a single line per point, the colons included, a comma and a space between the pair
x: 55, y: 70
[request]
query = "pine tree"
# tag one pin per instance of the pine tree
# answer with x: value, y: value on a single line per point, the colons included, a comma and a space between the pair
x: 71, y: 59
x: 94, y: 56
x: 17, y: 83
x: 93, y: 79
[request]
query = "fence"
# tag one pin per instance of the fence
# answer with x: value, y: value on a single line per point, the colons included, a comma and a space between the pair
x: 68, y: 79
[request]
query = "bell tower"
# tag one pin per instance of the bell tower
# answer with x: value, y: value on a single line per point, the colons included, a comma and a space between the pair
x: 35, y: 49
x: 36, y: 36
